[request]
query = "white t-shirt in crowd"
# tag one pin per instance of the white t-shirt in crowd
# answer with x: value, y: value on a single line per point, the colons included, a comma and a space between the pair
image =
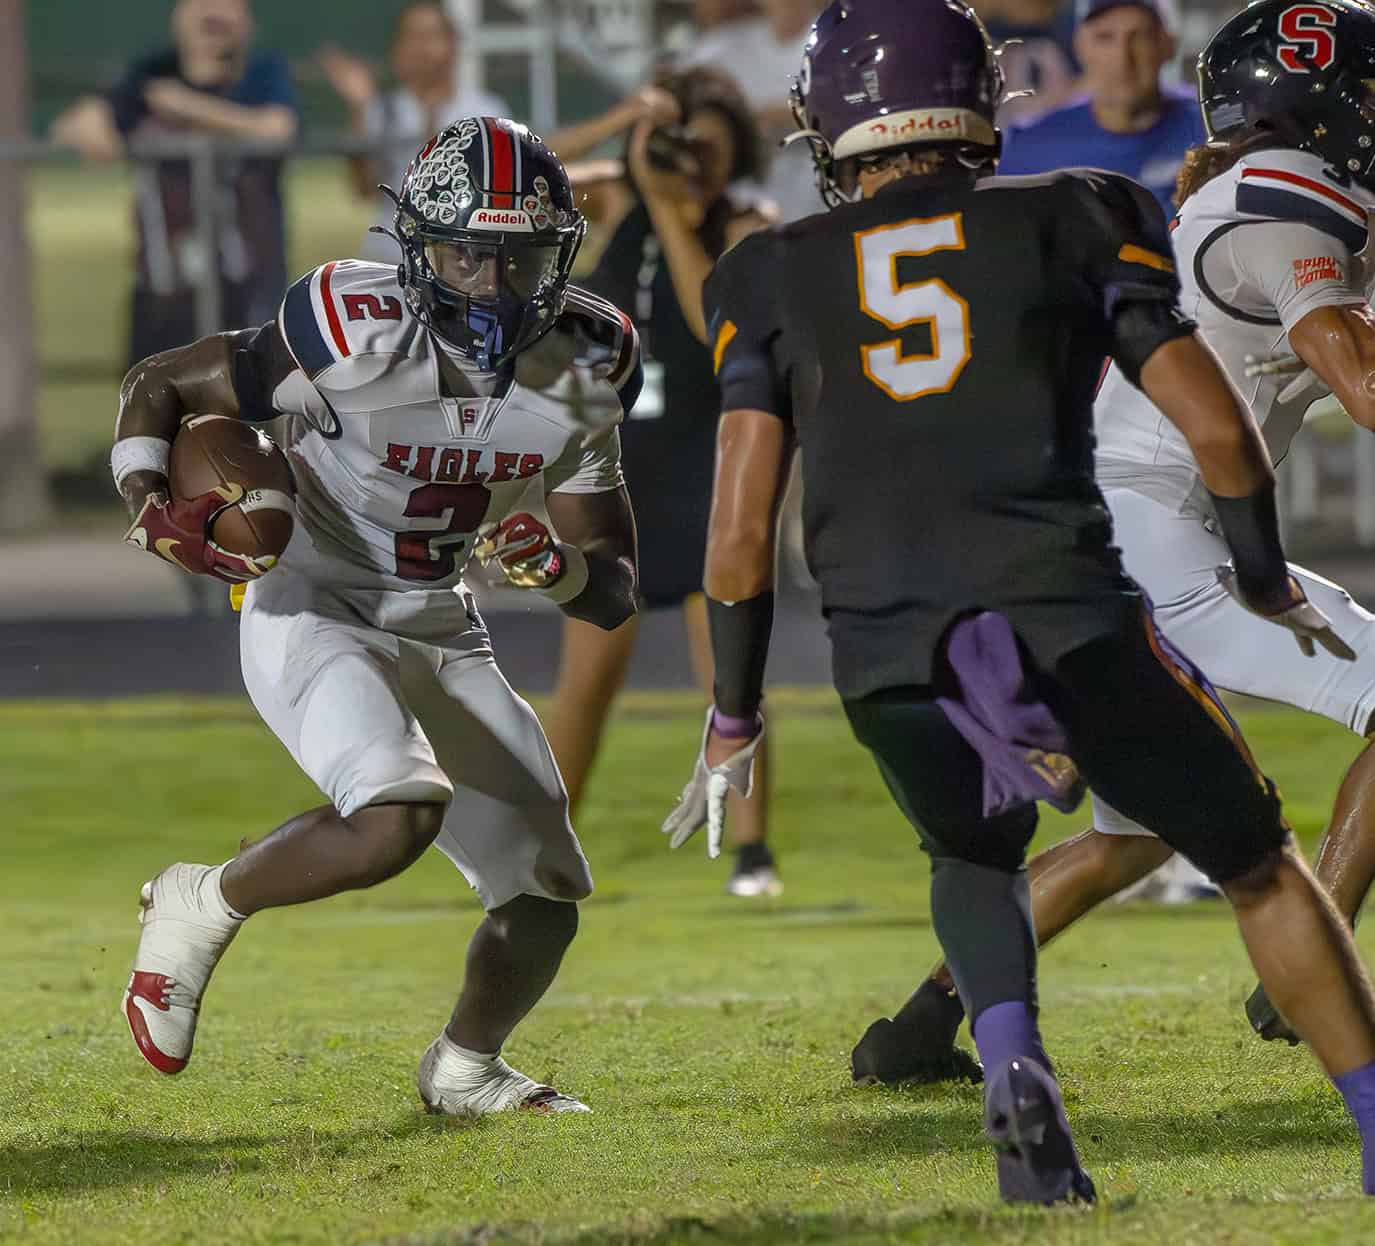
x: 402, y: 123
x: 764, y: 68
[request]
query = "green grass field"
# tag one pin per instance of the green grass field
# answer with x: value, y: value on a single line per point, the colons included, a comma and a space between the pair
x: 711, y: 1036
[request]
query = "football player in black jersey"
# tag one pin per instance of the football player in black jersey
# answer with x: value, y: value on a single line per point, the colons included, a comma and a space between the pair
x: 932, y: 344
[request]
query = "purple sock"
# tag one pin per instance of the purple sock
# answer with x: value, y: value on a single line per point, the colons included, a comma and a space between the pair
x: 1005, y: 1031
x: 1358, y: 1089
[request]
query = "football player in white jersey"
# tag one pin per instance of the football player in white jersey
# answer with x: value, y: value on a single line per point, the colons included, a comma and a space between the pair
x: 1270, y: 240
x: 422, y: 405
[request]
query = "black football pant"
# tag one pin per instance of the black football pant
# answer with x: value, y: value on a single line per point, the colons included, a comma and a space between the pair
x: 1149, y: 740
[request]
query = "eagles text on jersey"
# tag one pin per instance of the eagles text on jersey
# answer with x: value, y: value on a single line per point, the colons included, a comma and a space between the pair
x: 395, y: 473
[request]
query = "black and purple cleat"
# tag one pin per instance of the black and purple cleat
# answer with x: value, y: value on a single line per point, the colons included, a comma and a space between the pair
x: 1024, y: 1118
x: 1265, y: 1019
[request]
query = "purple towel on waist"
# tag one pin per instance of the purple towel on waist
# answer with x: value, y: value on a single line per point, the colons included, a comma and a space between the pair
x: 1019, y: 740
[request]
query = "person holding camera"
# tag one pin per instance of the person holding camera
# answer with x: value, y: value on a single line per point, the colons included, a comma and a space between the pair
x: 688, y: 136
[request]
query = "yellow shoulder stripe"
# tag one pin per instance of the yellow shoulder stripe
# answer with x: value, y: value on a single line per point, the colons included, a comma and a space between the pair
x: 1139, y: 255
x: 236, y: 592
x: 724, y: 337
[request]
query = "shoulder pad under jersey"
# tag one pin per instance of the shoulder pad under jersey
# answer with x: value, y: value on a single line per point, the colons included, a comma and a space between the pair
x: 603, y: 332
x: 1284, y: 185
x: 345, y: 311
x: 742, y: 283
x: 1130, y: 205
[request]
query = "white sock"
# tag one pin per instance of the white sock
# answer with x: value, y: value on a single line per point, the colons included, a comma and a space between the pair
x: 212, y: 896
x: 477, y: 1061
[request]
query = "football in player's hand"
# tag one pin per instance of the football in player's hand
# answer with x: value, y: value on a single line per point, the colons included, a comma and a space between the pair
x: 219, y: 452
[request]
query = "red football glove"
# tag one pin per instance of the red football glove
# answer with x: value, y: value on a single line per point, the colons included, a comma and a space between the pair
x: 525, y: 549
x: 179, y: 533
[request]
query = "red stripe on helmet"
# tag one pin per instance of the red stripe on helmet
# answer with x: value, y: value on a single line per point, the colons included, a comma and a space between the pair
x: 503, y: 183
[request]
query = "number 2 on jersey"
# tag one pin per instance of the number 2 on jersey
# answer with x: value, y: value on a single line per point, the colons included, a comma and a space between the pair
x: 899, y: 306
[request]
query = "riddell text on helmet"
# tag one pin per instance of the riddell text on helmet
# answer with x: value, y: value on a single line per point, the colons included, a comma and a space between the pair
x: 499, y: 218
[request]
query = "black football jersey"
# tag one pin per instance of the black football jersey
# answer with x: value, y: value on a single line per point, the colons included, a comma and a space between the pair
x: 937, y: 348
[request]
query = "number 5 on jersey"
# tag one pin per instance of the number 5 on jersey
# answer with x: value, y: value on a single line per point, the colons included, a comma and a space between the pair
x: 900, y: 306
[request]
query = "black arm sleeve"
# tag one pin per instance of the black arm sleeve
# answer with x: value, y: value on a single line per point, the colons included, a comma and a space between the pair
x: 259, y: 362
x: 1129, y: 265
x: 740, y: 633
x: 1251, y: 528
x: 740, y: 299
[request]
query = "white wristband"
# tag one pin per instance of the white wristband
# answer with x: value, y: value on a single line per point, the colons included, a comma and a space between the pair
x: 574, y: 577
x: 139, y: 454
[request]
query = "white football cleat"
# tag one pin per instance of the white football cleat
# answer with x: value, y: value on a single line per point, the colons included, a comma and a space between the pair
x: 457, y: 1083
x: 186, y: 927
x: 763, y: 880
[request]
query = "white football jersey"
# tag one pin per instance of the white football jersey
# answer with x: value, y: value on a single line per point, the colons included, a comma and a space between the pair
x: 394, y: 477
x: 1258, y: 248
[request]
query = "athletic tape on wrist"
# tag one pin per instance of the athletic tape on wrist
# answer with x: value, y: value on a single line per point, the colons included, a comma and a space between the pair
x: 267, y: 500
x: 574, y: 577
x: 139, y: 454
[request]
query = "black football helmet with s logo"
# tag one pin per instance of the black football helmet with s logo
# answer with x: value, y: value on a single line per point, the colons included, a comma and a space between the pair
x: 1305, y: 71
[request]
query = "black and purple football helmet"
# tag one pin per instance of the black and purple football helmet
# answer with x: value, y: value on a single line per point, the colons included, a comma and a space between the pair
x: 883, y: 74
x: 488, y: 232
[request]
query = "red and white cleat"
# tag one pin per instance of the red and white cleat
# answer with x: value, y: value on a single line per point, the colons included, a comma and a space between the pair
x: 456, y: 1082
x: 186, y: 927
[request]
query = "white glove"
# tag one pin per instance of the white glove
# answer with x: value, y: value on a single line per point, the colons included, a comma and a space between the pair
x: 703, y: 802
x: 1303, y: 618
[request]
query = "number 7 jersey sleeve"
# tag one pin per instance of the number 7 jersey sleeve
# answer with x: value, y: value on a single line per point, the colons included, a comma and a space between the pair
x: 740, y: 299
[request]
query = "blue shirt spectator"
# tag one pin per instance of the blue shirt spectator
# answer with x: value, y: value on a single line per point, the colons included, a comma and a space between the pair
x: 208, y: 82
x: 1127, y: 121
x: 1073, y: 136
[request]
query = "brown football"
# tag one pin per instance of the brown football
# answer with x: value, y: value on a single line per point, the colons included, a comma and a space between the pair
x: 213, y: 451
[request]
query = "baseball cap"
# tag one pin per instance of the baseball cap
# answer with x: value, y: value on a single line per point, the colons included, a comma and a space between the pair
x: 1166, y: 10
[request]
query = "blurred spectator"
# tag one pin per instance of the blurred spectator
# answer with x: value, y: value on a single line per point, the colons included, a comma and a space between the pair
x: 691, y: 136
x: 763, y: 54
x: 423, y: 58
x: 685, y: 28
x: 1128, y: 122
x: 1039, y: 56
x: 708, y: 14
x: 208, y: 82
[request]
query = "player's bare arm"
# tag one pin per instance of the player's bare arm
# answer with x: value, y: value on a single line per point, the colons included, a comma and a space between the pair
x: 601, y: 526
x: 752, y: 454
x: 205, y: 377
x: 1338, y: 344
x: 1183, y: 379
x: 162, y: 389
